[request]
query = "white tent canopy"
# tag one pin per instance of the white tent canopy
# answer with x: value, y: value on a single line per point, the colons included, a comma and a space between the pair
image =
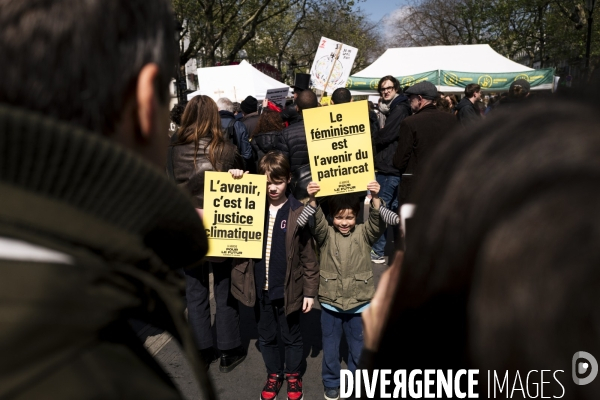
x: 406, y: 61
x: 235, y: 82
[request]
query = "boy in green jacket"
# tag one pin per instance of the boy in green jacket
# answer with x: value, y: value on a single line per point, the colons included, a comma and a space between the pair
x: 346, y: 284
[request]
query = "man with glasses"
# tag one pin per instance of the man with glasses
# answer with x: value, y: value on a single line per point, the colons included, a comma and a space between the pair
x: 394, y: 105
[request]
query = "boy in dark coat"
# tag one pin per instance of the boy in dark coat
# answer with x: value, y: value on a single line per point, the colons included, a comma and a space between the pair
x: 284, y: 281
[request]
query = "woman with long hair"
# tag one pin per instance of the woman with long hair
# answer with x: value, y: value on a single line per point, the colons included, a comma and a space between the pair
x: 197, y: 147
x: 200, y: 146
x: 266, y: 134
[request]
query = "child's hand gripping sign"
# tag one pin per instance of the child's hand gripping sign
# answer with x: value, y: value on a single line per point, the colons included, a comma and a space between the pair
x: 234, y: 214
x: 339, y: 147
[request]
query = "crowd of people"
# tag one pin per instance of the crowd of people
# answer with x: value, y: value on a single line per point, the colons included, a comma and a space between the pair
x: 498, y: 268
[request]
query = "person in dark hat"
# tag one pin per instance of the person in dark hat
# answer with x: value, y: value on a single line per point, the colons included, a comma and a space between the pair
x: 250, y: 110
x: 290, y: 113
x: 301, y: 82
x: 419, y: 135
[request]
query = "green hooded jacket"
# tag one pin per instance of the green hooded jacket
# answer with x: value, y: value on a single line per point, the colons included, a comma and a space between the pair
x: 346, y: 272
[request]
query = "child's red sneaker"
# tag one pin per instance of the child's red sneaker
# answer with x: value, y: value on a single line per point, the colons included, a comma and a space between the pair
x: 272, y: 387
x: 294, y: 386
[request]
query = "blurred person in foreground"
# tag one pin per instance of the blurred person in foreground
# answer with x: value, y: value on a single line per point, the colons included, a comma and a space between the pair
x: 501, y: 266
x: 91, y: 232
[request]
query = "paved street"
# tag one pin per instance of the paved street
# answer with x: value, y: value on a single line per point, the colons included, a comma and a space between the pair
x: 244, y: 382
x: 247, y: 379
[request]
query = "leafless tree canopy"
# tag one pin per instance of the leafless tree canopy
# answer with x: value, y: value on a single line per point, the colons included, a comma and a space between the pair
x: 547, y: 31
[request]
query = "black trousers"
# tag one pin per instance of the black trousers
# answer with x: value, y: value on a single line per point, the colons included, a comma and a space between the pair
x: 271, y: 318
x: 227, y: 319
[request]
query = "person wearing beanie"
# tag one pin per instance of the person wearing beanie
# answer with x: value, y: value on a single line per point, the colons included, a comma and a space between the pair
x: 250, y: 110
x: 518, y: 95
x: 419, y: 135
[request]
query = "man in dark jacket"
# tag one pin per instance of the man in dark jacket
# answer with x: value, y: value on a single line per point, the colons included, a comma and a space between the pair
x: 420, y: 134
x: 235, y: 130
x: 91, y: 232
x: 467, y: 111
x: 250, y: 110
x: 293, y: 146
x: 395, y: 106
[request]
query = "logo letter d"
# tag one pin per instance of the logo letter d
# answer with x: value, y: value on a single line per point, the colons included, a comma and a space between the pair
x: 591, y: 362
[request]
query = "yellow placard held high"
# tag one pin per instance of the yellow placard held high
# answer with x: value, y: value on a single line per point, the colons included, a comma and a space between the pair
x: 339, y: 147
x: 234, y: 214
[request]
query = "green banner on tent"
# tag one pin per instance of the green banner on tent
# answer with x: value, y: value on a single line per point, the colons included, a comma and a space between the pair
x: 496, y: 81
x: 357, y: 83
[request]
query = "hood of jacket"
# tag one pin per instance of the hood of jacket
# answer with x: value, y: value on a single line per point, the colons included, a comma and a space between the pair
x: 226, y: 114
x: 399, y: 99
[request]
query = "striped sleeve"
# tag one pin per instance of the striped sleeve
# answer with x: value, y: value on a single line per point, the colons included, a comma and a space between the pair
x: 305, y: 215
x: 390, y: 217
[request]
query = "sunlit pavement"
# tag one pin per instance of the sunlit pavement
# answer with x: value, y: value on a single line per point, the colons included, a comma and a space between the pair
x: 247, y: 379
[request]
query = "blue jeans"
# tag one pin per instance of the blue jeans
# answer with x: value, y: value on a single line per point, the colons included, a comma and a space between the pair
x: 332, y: 325
x: 388, y: 192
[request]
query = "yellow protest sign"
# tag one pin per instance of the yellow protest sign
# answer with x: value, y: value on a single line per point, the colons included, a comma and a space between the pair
x: 234, y: 214
x: 339, y: 147
x: 325, y: 100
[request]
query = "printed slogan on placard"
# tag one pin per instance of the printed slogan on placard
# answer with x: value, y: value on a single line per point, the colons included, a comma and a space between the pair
x: 339, y: 147
x: 234, y: 214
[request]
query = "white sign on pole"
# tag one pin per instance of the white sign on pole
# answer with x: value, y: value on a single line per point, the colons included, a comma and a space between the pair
x: 277, y: 96
x: 332, y: 63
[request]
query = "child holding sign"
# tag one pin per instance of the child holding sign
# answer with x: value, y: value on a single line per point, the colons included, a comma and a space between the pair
x: 346, y: 284
x: 284, y: 281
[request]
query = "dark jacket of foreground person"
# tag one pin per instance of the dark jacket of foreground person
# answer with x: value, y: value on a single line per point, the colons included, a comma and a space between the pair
x: 302, y: 272
x: 108, y: 231
x: 501, y: 269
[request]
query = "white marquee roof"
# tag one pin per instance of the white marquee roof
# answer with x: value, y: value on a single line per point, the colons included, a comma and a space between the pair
x: 405, y: 61
x: 235, y: 82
